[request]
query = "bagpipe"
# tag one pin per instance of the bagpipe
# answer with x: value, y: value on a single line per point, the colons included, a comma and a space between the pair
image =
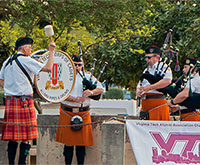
x: 89, y: 84
x: 167, y: 56
x: 192, y: 102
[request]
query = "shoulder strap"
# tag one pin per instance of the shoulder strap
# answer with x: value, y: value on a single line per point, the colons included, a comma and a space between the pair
x: 24, y: 71
x: 12, y: 58
x: 15, y: 57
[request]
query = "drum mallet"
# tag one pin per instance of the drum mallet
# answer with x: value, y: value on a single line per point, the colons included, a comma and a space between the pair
x: 49, y: 31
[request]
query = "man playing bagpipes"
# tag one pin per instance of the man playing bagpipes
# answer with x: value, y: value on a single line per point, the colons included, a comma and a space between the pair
x: 190, y: 95
x: 154, y: 105
x: 76, y: 110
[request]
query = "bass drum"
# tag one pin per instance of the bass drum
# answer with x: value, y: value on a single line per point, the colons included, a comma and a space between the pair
x: 56, y: 85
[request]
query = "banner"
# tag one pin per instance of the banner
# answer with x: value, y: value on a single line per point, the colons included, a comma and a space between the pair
x: 164, y: 142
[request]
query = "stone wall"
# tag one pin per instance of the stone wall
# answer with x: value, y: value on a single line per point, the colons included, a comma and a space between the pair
x: 47, y: 151
x: 50, y: 152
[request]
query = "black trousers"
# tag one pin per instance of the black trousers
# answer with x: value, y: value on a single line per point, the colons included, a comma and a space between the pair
x: 12, y: 149
x: 23, y: 152
x: 69, y: 151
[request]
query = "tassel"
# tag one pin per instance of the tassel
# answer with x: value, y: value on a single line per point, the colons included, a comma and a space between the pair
x: 177, y: 67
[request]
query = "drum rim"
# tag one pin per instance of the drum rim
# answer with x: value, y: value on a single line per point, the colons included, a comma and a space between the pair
x: 32, y: 54
x: 74, y: 69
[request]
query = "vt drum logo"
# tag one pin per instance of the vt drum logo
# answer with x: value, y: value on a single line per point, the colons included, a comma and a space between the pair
x: 189, y: 151
x: 54, y: 81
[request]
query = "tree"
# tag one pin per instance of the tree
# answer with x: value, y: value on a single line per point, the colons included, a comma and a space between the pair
x: 114, y: 31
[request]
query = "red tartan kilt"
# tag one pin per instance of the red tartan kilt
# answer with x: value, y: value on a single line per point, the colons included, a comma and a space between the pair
x: 14, y: 112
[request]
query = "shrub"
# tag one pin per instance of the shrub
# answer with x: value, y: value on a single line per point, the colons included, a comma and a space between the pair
x: 114, y: 93
x: 133, y: 95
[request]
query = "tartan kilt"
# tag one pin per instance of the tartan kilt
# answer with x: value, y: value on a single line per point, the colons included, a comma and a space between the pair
x: 14, y: 112
x: 66, y: 135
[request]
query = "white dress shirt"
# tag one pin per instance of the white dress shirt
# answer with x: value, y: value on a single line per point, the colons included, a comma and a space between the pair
x: 195, y: 84
x: 152, y: 70
x: 78, y: 91
x: 15, y: 81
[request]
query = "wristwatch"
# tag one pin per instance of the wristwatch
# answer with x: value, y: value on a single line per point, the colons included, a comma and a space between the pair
x: 172, y: 102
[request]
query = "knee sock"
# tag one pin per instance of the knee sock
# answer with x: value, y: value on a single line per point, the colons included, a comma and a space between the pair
x: 24, y: 151
x: 12, y: 148
x: 68, y: 153
x: 80, y: 154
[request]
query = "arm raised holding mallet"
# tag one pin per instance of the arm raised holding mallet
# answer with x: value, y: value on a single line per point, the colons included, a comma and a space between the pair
x: 49, y: 33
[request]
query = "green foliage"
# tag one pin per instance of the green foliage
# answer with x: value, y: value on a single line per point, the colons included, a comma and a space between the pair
x: 122, y: 63
x: 114, y: 93
x: 183, y: 18
x: 133, y: 95
x: 113, y: 31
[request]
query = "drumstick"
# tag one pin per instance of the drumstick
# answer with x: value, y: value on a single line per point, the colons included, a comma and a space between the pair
x: 49, y: 31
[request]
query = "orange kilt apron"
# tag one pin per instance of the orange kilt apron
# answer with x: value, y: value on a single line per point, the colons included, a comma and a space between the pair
x: 66, y: 135
x: 157, y: 108
x: 191, y: 116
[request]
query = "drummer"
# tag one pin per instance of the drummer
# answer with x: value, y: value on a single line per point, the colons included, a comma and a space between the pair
x: 16, y: 77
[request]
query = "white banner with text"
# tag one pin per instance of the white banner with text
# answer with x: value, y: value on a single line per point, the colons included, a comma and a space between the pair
x: 164, y: 142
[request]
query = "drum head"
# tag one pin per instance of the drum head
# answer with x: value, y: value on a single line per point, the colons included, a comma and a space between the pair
x: 38, y: 54
x: 57, y: 85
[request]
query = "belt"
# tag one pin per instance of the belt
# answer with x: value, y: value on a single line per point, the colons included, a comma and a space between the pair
x: 75, y: 110
x: 187, y: 110
x: 144, y: 97
x: 18, y: 97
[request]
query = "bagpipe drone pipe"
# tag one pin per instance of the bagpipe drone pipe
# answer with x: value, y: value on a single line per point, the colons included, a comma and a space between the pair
x: 89, y: 84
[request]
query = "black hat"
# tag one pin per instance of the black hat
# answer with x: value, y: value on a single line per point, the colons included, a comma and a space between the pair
x: 76, y: 58
x: 153, y: 49
x: 23, y: 41
x: 189, y: 61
